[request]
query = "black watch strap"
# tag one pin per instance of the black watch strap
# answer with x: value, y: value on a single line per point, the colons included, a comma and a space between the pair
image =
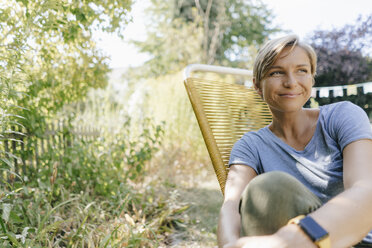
x: 313, y: 230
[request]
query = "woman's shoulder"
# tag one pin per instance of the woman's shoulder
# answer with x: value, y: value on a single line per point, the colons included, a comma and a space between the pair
x: 343, y: 115
x: 255, y: 137
x: 337, y: 105
x: 346, y: 122
x: 335, y: 109
x: 257, y: 134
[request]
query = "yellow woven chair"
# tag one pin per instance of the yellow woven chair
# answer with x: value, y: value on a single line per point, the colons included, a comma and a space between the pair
x: 224, y: 111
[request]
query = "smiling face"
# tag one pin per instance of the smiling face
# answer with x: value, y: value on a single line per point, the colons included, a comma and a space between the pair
x: 286, y: 86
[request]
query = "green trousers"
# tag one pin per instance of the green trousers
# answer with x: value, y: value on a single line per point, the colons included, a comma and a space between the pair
x: 271, y: 199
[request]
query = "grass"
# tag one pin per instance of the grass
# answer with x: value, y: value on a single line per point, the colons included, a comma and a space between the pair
x: 173, y: 205
x: 197, y: 187
x: 203, y: 213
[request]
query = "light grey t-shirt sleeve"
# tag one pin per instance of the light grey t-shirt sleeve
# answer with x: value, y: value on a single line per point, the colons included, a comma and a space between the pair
x: 348, y: 123
x: 244, y: 152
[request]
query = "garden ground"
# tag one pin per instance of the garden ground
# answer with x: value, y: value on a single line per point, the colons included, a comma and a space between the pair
x: 204, y: 197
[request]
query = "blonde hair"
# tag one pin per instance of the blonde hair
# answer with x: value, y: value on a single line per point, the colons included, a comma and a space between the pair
x: 269, y: 52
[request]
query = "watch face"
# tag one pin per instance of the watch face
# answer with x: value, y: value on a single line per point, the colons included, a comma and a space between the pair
x: 313, y: 229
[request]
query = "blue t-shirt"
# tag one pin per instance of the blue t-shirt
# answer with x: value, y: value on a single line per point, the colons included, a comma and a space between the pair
x: 320, y: 165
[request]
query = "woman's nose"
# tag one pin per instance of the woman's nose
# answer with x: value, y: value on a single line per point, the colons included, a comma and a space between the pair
x: 290, y: 80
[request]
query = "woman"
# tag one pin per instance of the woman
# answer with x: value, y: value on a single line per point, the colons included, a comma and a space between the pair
x: 313, y: 165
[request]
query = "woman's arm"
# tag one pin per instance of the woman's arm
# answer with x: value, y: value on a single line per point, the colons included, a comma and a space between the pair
x: 348, y: 216
x: 229, y: 220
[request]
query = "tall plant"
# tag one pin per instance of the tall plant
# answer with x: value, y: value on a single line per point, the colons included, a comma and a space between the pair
x: 204, y: 31
x: 344, y: 54
x: 48, y: 57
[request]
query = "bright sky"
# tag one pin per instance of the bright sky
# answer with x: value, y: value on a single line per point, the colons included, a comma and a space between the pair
x: 299, y: 16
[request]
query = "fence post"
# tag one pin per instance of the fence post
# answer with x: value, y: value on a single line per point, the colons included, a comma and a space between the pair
x: 30, y: 155
x: 36, y: 155
x: 6, y: 147
x: 14, y: 150
x: 22, y: 152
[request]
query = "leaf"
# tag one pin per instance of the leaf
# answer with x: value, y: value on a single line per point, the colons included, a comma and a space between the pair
x: 14, y: 115
x: 6, y: 211
x: 12, y: 155
x: 6, y: 161
x: 53, y: 227
x: 13, y: 239
x: 129, y: 219
x: 16, y: 140
x: 88, y: 206
x: 107, y: 238
x: 19, y: 107
x: 14, y: 218
x: 180, y: 210
x: 2, y: 225
x: 14, y: 132
x: 24, y: 234
x: 16, y: 123
x: 41, y: 226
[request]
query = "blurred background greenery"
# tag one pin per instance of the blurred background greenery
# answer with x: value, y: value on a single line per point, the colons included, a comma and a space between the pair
x: 94, y: 157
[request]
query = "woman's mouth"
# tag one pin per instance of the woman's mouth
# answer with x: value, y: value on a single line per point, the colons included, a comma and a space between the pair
x: 290, y: 95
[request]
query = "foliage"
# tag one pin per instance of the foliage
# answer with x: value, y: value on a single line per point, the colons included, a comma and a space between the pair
x: 230, y: 27
x: 213, y: 32
x: 48, y: 57
x: 88, y: 195
x: 126, y: 218
x: 344, y: 55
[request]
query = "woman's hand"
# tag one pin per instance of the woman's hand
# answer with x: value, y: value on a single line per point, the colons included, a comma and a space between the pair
x: 290, y: 236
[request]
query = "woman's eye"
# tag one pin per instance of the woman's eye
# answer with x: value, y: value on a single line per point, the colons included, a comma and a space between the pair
x: 275, y: 73
x: 303, y: 70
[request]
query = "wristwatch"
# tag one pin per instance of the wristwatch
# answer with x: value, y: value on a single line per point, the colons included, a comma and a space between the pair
x: 315, y: 232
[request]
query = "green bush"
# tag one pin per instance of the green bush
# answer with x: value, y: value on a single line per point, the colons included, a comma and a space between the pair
x: 89, y: 195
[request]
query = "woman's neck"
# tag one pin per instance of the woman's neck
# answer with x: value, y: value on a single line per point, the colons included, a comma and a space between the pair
x: 296, y: 128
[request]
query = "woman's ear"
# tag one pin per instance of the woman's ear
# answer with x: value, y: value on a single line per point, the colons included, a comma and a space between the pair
x: 256, y: 87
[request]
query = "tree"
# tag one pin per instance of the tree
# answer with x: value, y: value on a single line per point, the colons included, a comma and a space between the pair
x: 203, y: 31
x: 48, y: 58
x: 344, y: 54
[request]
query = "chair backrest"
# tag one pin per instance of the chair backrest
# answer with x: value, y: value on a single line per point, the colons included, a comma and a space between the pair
x: 224, y: 111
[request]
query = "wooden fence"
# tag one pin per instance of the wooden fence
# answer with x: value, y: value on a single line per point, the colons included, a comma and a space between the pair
x: 21, y: 151
x: 362, y: 98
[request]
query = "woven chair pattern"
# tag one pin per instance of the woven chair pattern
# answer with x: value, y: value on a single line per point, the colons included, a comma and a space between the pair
x: 225, y: 111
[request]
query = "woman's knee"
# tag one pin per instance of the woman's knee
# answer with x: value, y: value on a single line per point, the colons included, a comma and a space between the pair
x: 271, y: 199
x: 277, y: 187
x: 273, y: 183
